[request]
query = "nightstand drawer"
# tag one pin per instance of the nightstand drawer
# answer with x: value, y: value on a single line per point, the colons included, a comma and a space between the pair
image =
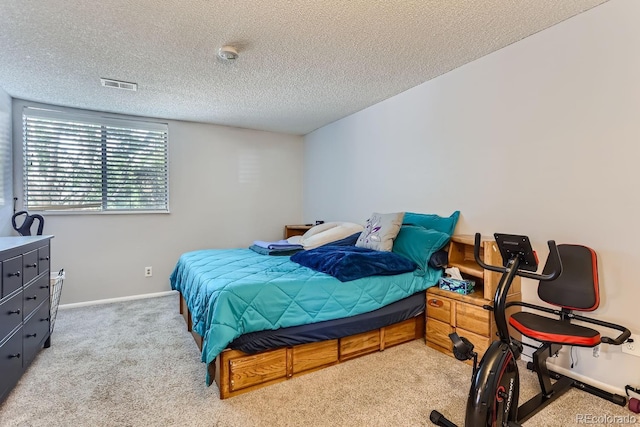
x: 438, y: 333
x: 439, y: 308
x: 472, y: 318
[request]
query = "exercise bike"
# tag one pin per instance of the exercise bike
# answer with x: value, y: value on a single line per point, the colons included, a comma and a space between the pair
x: 569, y: 280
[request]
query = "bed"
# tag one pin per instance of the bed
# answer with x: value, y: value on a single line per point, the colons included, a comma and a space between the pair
x: 261, y: 319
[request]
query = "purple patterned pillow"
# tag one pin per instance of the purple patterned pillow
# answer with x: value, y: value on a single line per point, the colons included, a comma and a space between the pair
x: 380, y: 231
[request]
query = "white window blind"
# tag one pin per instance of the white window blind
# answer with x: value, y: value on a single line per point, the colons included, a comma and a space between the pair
x: 77, y: 162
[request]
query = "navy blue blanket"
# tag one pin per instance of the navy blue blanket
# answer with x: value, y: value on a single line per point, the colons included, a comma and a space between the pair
x: 351, y: 262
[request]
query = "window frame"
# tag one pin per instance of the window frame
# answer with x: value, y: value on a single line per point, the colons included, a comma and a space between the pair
x: 104, y: 120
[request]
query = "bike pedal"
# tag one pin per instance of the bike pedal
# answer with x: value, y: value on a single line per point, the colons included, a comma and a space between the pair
x: 517, y: 347
x: 462, y: 347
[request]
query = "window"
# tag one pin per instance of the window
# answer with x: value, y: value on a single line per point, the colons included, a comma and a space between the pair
x: 89, y: 163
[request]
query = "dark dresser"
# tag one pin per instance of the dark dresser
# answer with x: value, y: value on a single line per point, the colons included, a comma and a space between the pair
x: 24, y: 305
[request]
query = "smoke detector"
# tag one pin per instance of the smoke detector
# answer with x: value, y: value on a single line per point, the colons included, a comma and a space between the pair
x: 227, y: 53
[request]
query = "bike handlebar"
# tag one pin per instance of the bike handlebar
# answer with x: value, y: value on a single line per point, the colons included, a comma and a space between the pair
x: 620, y: 339
x: 553, y: 254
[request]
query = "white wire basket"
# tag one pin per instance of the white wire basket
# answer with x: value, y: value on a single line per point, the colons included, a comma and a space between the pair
x: 55, y: 287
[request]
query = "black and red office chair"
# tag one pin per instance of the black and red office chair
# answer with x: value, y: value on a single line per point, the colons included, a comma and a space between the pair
x: 575, y: 290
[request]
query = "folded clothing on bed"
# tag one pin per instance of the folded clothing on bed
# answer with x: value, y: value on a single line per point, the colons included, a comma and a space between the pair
x: 347, y: 263
x: 277, y: 251
x: 279, y: 244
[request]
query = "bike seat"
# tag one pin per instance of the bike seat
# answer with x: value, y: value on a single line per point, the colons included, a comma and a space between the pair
x: 546, y: 329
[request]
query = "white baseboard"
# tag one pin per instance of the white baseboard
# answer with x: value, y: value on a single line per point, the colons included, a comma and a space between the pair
x: 110, y: 300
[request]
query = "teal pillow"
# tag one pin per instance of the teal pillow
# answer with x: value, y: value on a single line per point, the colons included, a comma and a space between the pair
x: 418, y: 244
x: 432, y: 221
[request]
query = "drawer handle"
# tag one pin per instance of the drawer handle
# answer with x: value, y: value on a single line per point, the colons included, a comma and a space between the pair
x: 44, y: 258
x: 14, y: 311
x: 16, y: 274
x: 14, y: 356
x: 31, y: 335
x: 34, y: 265
x: 435, y: 303
x: 44, y: 287
x: 33, y: 298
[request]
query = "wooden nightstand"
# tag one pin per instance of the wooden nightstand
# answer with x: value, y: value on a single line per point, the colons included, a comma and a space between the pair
x: 296, y: 230
x: 449, y: 312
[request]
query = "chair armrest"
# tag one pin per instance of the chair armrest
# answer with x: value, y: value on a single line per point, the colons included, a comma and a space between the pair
x: 620, y: 339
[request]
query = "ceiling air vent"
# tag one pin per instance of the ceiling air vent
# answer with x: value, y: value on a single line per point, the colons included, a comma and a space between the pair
x: 116, y: 84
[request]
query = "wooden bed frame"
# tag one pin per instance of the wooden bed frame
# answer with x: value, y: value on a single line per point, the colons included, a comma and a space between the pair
x: 236, y: 372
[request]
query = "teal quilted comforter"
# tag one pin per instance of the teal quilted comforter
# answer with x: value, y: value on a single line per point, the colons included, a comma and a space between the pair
x: 230, y: 292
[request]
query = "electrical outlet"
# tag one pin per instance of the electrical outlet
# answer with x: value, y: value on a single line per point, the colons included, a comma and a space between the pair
x: 632, y: 347
x: 148, y: 272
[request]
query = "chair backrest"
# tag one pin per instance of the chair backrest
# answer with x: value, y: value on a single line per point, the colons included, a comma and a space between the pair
x: 577, y: 287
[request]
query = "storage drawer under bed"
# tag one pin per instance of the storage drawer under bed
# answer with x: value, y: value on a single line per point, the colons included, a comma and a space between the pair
x: 237, y: 372
x: 256, y: 369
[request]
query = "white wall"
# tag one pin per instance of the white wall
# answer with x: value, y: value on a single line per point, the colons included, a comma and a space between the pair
x: 6, y: 173
x: 228, y: 187
x: 540, y: 138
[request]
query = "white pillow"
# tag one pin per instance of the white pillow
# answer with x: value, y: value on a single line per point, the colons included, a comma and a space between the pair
x: 328, y: 232
x: 294, y: 240
x: 380, y: 231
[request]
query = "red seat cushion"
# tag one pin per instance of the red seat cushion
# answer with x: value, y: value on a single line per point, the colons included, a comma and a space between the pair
x: 546, y: 329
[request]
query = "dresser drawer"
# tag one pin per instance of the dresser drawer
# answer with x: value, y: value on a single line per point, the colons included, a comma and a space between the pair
x: 10, y: 362
x: 439, y: 308
x: 43, y: 259
x: 472, y: 318
x: 35, y: 330
x: 438, y: 333
x: 10, y: 314
x: 11, y: 275
x: 34, y: 294
x: 29, y: 266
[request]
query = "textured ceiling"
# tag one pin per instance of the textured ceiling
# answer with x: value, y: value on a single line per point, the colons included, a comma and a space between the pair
x: 302, y: 64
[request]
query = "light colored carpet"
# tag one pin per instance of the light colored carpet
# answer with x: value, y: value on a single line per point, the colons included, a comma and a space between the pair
x: 134, y: 364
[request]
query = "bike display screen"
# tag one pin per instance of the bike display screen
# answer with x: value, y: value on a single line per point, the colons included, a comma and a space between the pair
x: 512, y: 245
